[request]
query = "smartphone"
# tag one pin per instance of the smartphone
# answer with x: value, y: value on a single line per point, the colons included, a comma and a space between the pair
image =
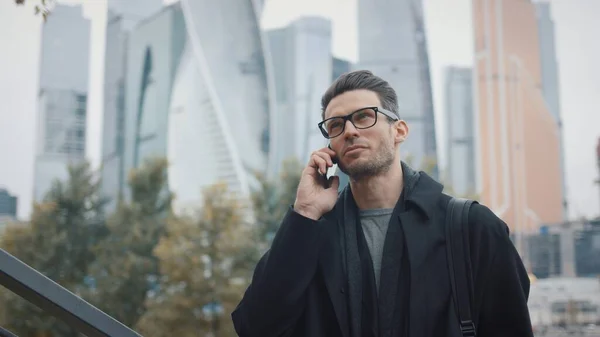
x: 331, y: 171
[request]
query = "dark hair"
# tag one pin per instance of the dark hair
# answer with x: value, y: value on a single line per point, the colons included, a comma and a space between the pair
x: 362, y: 79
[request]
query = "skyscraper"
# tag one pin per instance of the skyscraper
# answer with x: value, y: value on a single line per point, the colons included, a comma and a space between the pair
x: 460, y: 171
x: 221, y: 113
x: 302, y: 64
x: 550, y: 81
x: 131, y: 12
x: 122, y: 17
x: 61, y: 121
x: 393, y: 45
x: 517, y: 137
x: 195, y: 89
x: 340, y: 67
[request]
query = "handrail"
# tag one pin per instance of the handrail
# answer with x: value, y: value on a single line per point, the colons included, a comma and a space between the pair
x: 41, y: 291
x: 6, y: 333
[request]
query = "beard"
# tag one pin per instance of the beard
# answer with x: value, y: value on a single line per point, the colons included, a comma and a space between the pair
x: 380, y: 163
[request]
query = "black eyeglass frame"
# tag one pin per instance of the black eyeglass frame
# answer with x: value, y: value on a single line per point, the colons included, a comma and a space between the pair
x: 348, y: 117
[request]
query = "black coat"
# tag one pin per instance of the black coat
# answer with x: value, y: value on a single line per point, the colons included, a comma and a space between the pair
x: 299, y: 288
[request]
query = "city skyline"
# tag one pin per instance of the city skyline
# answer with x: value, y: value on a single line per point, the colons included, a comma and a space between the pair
x: 580, y: 160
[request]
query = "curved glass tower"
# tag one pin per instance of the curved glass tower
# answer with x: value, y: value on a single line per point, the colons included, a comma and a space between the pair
x: 219, y: 114
x: 196, y: 89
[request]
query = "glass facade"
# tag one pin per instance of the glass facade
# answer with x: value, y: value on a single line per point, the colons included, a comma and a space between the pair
x: 220, y: 109
x: 392, y: 44
x: 587, y: 250
x: 460, y: 132
x: 550, y: 81
x: 61, y: 136
x: 62, y: 106
x: 122, y: 17
x: 153, y: 49
x: 8, y: 204
x: 302, y: 63
x: 195, y: 89
x: 339, y: 67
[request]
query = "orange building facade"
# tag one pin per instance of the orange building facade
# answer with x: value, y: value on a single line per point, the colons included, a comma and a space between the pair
x: 517, y: 139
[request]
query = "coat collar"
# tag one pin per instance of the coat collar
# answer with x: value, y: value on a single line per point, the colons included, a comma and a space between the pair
x: 420, y: 190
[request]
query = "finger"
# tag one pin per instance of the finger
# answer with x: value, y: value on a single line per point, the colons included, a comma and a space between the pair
x: 328, y: 150
x: 318, y: 163
x: 326, y: 156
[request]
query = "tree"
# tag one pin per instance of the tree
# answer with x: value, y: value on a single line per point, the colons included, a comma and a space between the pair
x: 43, y: 8
x: 57, y: 242
x: 204, y: 269
x: 272, y: 199
x: 126, y: 268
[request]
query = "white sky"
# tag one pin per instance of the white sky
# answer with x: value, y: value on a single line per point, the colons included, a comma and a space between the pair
x: 450, y: 43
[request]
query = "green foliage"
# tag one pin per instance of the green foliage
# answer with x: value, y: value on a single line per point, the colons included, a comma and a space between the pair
x: 43, y: 8
x: 57, y: 242
x: 126, y: 268
x: 273, y: 198
x: 146, y: 267
x: 202, y: 261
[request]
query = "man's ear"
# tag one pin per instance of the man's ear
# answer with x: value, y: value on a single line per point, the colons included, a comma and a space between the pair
x: 400, y: 131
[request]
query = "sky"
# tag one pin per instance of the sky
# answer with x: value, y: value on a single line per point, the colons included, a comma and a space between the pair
x: 449, y: 33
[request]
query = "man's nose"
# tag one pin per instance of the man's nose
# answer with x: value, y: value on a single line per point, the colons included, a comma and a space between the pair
x: 350, y: 131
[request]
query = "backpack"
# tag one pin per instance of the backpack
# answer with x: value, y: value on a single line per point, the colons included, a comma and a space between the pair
x: 459, y: 262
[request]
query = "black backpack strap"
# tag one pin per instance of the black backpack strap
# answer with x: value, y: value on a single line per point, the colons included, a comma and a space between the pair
x: 459, y: 262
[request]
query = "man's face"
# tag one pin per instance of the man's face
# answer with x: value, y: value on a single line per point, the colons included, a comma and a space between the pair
x: 364, y: 152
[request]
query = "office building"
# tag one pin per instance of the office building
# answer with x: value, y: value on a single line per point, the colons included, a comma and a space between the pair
x: 8, y: 203
x: 551, y: 83
x: 517, y: 138
x: 567, y: 249
x: 460, y: 128
x: 339, y: 67
x: 131, y: 12
x: 302, y: 63
x: 62, y: 108
x: 392, y: 43
x: 154, y: 50
x: 221, y: 109
x: 122, y: 17
x: 196, y: 90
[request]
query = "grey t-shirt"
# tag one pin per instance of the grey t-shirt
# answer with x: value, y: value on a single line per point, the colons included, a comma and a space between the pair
x: 374, y: 224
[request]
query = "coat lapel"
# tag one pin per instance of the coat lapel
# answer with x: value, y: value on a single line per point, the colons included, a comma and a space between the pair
x: 423, y: 241
x: 331, y: 264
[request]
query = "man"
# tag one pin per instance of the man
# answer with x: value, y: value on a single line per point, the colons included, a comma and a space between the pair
x: 371, y: 261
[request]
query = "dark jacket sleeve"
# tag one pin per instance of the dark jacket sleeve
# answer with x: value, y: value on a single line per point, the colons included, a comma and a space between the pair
x: 502, y: 283
x: 276, y: 296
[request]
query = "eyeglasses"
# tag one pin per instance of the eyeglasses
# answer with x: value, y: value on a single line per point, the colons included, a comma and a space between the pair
x: 361, y: 119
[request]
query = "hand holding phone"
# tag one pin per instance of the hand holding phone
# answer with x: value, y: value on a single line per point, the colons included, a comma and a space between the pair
x: 316, y: 194
x: 327, y: 181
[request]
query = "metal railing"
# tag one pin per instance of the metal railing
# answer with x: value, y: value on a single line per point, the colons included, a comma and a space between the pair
x: 49, y: 296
